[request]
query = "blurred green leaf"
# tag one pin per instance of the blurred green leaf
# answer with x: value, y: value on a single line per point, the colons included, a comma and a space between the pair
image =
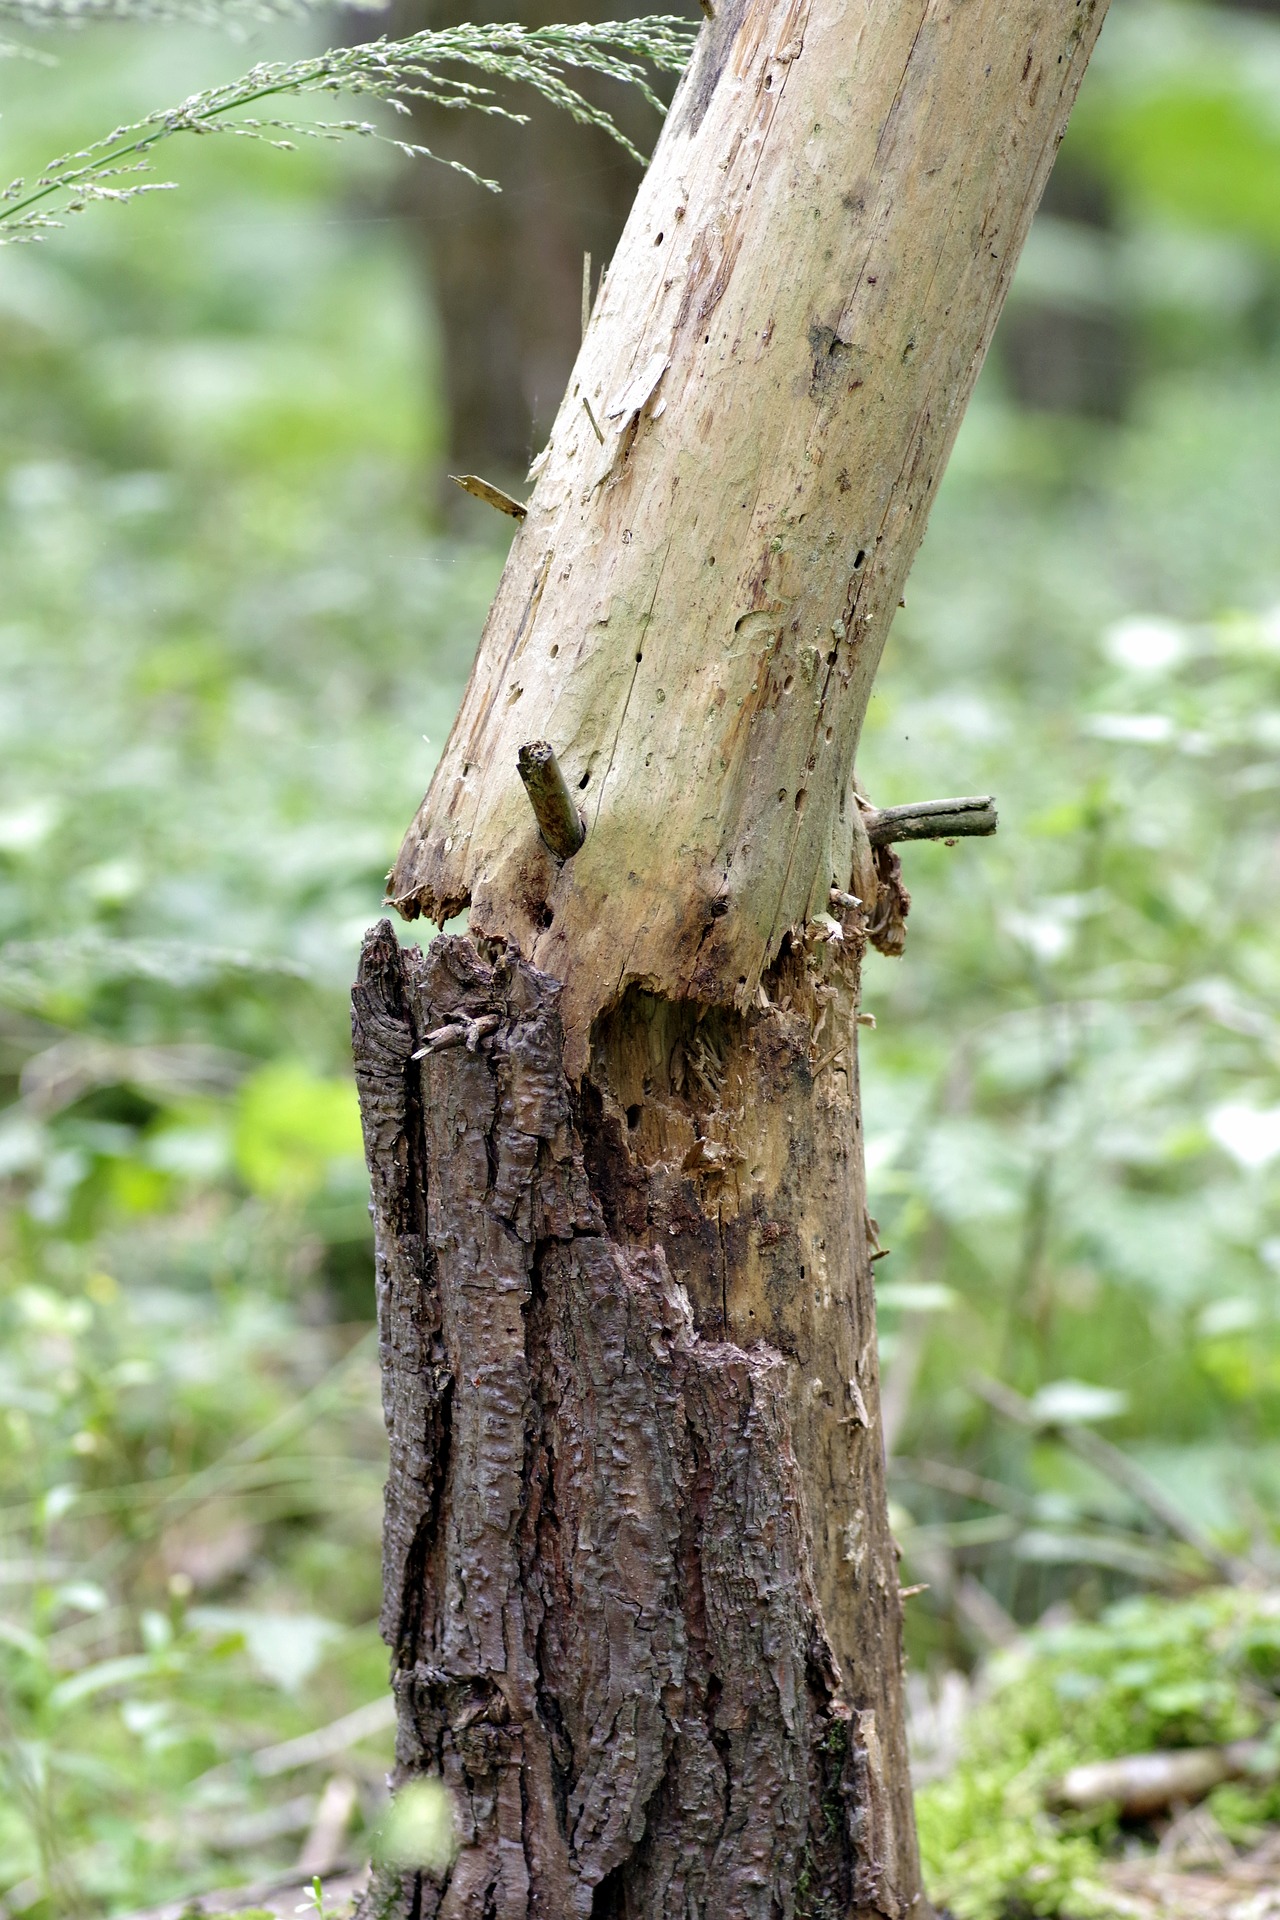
x: 291, y: 1125
x: 1076, y: 1402
x: 418, y: 1831
x: 286, y: 1648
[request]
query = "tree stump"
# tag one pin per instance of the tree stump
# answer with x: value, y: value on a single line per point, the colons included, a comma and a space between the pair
x: 641, y: 1593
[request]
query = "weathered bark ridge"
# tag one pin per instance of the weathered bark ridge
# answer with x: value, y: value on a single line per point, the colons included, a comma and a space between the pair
x: 608, y: 1626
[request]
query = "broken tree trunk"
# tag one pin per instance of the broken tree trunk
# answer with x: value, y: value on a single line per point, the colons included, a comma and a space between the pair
x: 640, y: 1588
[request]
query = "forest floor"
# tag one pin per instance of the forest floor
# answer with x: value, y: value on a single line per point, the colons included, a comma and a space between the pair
x: 1189, y: 1880
x: 1193, y: 1878
x: 282, y: 1898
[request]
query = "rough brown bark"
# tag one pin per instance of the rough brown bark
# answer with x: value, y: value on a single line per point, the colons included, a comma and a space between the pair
x: 613, y: 1609
x: 641, y: 1591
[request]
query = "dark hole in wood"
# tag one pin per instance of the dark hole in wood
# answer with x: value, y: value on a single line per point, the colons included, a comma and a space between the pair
x: 607, y: 1902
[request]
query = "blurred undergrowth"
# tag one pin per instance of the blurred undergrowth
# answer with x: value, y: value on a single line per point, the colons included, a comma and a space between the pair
x: 227, y: 624
x: 1149, y: 1676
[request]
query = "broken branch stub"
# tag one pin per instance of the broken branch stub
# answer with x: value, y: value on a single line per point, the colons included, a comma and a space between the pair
x: 968, y: 818
x: 559, y: 822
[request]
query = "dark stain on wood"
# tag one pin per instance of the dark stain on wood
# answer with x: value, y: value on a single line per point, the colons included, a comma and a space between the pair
x: 715, y: 44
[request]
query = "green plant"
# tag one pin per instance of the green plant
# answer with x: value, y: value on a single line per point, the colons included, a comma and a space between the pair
x: 314, y: 1903
x: 1149, y: 1674
x: 393, y: 72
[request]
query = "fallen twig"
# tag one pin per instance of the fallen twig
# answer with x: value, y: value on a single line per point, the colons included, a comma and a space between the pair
x: 1143, y: 1784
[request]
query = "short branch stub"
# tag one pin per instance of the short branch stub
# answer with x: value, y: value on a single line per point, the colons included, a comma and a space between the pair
x: 559, y: 822
x: 492, y: 496
x: 966, y: 818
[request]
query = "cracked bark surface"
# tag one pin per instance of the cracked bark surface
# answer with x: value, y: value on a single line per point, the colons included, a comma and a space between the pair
x: 653, y: 1685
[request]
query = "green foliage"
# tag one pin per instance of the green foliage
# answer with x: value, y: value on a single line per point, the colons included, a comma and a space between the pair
x: 226, y: 630
x: 393, y: 72
x: 1149, y: 1674
x: 292, y: 1127
x: 418, y: 1831
x: 1072, y: 1092
x: 1180, y: 116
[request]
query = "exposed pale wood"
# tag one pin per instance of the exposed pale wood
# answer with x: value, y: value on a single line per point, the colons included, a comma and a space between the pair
x: 778, y: 360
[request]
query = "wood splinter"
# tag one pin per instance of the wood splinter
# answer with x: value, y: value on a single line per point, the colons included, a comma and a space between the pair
x: 966, y: 818
x: 492, y: 496
x: 458, y: 1033
x: 595, y: 424
x: 561, y: 825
